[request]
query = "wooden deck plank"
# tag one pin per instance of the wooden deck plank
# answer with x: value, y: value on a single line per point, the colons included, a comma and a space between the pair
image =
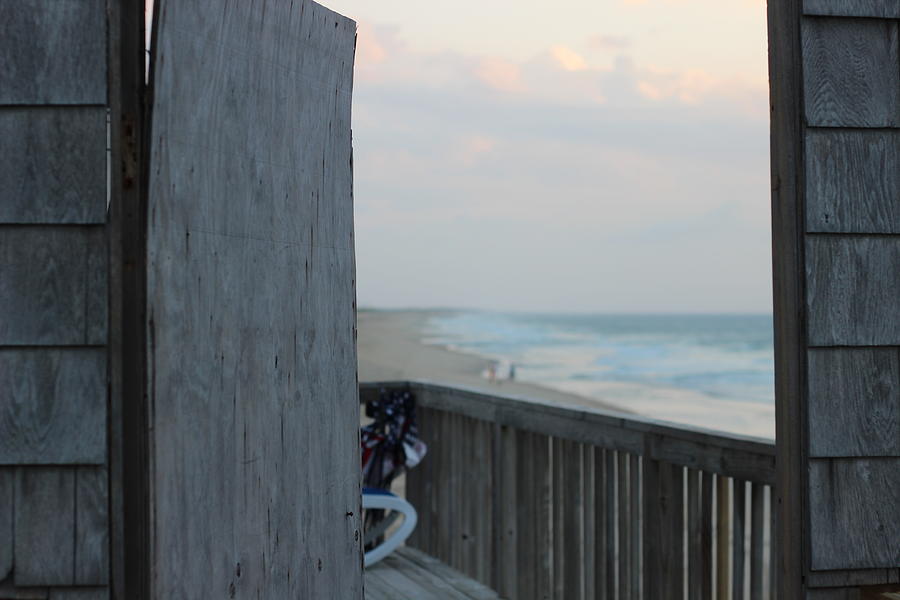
x: 470, y: 587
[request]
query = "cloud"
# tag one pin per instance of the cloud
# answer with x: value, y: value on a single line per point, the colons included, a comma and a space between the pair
x: 568, y: 59
x: 499, y: 74
x: 609, y: 42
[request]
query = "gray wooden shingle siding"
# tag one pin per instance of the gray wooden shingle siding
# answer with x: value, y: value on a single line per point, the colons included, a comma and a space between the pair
x: 843, y: 140
x: 54, y: 527
x: 251, y: 304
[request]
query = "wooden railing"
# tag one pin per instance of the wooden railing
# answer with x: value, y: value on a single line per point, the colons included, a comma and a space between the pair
x: 543, y: 501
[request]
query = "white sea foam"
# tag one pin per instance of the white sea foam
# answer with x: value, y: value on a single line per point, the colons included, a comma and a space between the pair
x: 712, y: 371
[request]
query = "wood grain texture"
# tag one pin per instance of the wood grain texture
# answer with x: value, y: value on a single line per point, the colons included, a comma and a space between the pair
x: 789, y: 318
x: 251, y: 303
x: 738, y: 528
x: 8, y: 591
x: 757, y: 540
x: 852, y: 287
x: 53, y: 408
x: 79, y: 593
x: 91, y: 526
x: 885, y: 9
x: 600, y: 532
x: 409, y: 573
x: 694, y: 537
x: 854, y: 513
x: 53, y: 285
x: 854, y: 402
x: 851, y: 72
x: 7, y: 493
x: 663, y: 491
x: 706, y: 535
x: 852, y: 578
x: 52, y: 52
x: 44, y: 526
x: 723, y: 527
x: 589, y: 527
x: 852, y: 180
x: 833, y: 594
x: 54, y: 165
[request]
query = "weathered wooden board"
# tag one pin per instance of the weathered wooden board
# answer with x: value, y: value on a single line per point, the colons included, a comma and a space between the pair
x: 663, y: 498
x: 408, y: 573
x: 853, y: 284
x: 53, y: 406
x: 44, y: 526
x: 854, y: 513
x: 91, y: 526
x: 251, y: 304
x: 833, y: 594
x: 789, y: 315
x: 52, y: 52
x: 54, y: 165
x: 853, y: 578
x: 852, y: 180
x: 53, y: 285
x: 887, y: 9
x: 854, y: 402
x: 7, y: 493
x: 851, y: 72
x: 79, y: 593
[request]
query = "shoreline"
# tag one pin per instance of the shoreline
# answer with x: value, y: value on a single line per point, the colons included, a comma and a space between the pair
x: 391, y: 346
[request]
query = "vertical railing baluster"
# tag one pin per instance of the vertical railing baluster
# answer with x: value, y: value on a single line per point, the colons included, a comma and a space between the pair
x: 610, y: 493
x: 542, y: 521
x: 589, y: 509
x: 706, y: 535
x: 510, y: 504
x: 634, y: 475
x: 695, y: 542
x: 773, y: 545
x: 600, y: 511
x: 573, y: 524
x: 484, y: 507
x: 739, y: 521
x: 559, y: 541
x: 663, y: 530
x: 455, y: 500
x: 723, y: 530
x: 528, y: 553
x: 624, y: 505
x: 757, y: 523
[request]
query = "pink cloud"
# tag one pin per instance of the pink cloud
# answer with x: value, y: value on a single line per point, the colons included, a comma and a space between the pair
x: 500, y: 75
x: 568, y: 59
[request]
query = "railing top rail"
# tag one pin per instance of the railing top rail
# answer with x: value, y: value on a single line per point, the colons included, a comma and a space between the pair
x: 743, y: 457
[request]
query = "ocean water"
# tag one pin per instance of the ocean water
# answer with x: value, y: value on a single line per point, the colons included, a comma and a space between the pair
x: 713, y: 371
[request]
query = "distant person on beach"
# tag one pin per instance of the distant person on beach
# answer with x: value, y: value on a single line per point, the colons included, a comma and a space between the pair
x: 512, y: 371
x: 492, y: 373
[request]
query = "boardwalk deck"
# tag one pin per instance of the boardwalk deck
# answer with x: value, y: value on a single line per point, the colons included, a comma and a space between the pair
x: 409, y: 574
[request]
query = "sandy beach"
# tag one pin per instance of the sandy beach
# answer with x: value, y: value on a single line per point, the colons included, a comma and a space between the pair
x: 390, y: 348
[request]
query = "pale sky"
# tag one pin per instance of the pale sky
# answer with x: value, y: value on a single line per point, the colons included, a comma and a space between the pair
x: 607, y: 156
